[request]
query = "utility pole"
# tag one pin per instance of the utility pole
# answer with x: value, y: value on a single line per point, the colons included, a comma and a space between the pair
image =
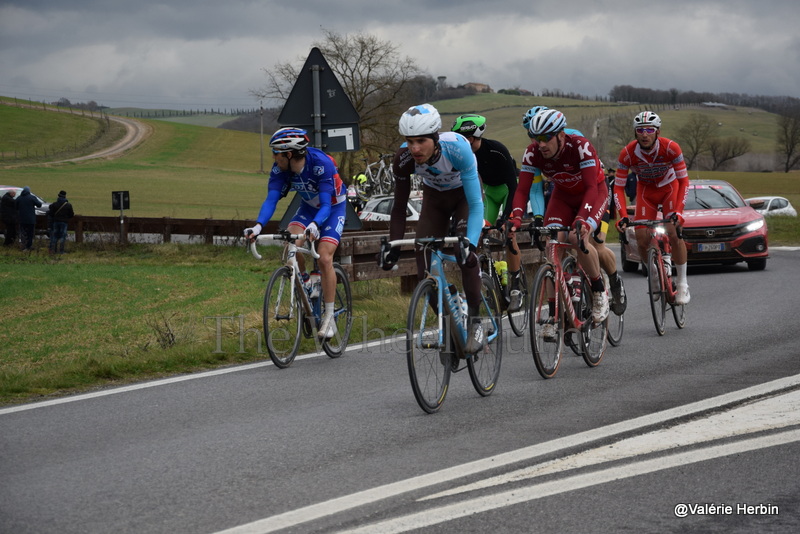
x: 262, y: 137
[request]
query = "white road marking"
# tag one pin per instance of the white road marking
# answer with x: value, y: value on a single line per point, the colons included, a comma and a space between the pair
x: 316, y: 511
x: 471, y: 507
x: 768, y: 414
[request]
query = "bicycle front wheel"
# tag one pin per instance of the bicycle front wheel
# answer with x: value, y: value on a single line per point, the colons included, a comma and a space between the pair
x: 282, y: 318
x: 546, y: 325
x: 519, y: 319
x: 484, y: 365
x: 655, y: 288
x: 342, y: 313
x: 428, y: 361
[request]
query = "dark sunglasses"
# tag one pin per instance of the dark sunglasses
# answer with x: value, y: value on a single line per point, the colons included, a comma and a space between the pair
x: 543, y: 138
x: 646, y: 130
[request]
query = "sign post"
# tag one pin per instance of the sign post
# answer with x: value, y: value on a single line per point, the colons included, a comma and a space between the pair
x: 318, y: 104
x: 121, y: 200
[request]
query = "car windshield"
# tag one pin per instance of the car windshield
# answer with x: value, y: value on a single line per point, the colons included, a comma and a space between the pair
x: 703, y: 197
x: 416, y: 203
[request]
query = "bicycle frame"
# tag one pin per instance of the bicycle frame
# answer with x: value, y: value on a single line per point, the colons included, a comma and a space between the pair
x: 659, y: 241
x: 564, y: 297
x: 290, y: 251
x: 436, y: 272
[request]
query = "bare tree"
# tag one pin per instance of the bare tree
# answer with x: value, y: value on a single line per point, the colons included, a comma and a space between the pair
x: 694, y: 137
x: 726, y: 149
x: 377, y: 79
x: 788, y: 138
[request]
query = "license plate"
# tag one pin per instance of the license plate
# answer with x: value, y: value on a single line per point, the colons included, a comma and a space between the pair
x: 710, y: 247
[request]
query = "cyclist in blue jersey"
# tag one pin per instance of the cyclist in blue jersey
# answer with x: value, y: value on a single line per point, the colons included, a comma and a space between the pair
x: 314, y: 176
x: 450, y: 188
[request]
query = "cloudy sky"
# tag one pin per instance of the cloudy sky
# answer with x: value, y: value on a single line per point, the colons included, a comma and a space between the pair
x: 194, y: 54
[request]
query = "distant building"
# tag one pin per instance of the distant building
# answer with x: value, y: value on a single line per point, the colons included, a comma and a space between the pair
x: 479, y: 87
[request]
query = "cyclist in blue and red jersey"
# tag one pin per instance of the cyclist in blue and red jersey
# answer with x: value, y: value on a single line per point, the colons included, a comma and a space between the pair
x: 450, y: 188
x: 580, y: 192
x: 314, y: 176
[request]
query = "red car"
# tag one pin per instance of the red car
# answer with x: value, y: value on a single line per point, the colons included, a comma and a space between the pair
x: 720, y: 228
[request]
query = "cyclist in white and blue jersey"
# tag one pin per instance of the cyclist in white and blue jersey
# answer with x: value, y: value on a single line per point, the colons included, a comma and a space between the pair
x: 450, y: 188
x: 314, y: 176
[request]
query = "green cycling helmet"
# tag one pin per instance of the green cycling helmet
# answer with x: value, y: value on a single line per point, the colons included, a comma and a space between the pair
x: 470, y: 125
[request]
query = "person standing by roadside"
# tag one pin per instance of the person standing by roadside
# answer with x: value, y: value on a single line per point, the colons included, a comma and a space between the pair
x: 8, y: 207
x: 60, y: 213
x: 26, y: 207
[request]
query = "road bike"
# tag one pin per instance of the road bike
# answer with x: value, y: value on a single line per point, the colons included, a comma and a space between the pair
x: 489, y: 246
x: 380, y: 179
x: 561, y: 307
x: 661, y: 287
x: 435, y: 342
x: 293, y: 308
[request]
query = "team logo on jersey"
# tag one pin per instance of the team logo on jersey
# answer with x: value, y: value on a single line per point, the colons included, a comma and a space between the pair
x: 318, y: 170
x: 585, y: 150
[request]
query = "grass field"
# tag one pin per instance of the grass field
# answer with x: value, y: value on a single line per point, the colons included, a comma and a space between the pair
x: 103, y: 315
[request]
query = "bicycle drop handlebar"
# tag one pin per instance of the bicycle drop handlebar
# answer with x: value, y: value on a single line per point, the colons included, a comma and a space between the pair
x: 651, y: 224
x: 536, y: 231
x: 283, y: 236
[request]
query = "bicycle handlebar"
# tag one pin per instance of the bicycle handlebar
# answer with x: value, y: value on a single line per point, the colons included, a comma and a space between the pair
x: 536, y: 231
x: 652, y: 223
x: 283, y: 236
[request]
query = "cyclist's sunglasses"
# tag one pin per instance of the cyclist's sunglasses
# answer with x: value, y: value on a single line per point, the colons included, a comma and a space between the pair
x: 646, y: 130
x: 543, y: 138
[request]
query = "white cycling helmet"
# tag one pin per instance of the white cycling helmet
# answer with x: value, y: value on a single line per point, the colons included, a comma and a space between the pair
x: 647, y: 118
x: 547, y: 121
x: 418, y: 121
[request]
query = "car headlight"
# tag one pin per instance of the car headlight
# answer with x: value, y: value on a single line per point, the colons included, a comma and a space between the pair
x: 755, y: 225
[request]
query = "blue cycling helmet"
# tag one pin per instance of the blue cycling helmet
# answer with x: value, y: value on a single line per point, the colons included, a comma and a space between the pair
x: 289, y: 139
x: 526, y: 119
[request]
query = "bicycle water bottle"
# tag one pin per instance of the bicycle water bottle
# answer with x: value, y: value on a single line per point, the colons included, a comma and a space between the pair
x: 306, y: 282
x: 575, y: 282
x: 668, y: 264
x: 501, y: 267
x: 314, y: 279
x: 455, y: 302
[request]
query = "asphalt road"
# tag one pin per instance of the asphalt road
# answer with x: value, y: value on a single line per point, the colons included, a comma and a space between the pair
x: 702, y: 421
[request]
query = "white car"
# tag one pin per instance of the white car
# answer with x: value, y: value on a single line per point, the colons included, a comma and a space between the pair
x: 380, y: 208
x: 772, y: 206
x: 40, y: 211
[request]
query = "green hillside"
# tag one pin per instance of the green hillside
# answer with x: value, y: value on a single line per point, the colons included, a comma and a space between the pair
x: 190, y: 171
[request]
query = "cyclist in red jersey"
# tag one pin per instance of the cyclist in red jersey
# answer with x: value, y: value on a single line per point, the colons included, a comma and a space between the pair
x: 662, y: 184
x: 580, y: 192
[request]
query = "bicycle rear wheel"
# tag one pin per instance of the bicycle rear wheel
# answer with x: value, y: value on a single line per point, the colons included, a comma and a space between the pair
x: 594, y: 337
x: 342, y: 313
x: 616, y: 323
x: 484, y: 366
x: 282, y: 318
x: 655, y: 288
x: 519, y: 319
x: 428, y: 362
x: 547, y: 343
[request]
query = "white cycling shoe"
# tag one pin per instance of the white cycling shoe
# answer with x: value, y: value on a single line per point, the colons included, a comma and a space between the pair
x: 327, y: 327
x: 682, y: 296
